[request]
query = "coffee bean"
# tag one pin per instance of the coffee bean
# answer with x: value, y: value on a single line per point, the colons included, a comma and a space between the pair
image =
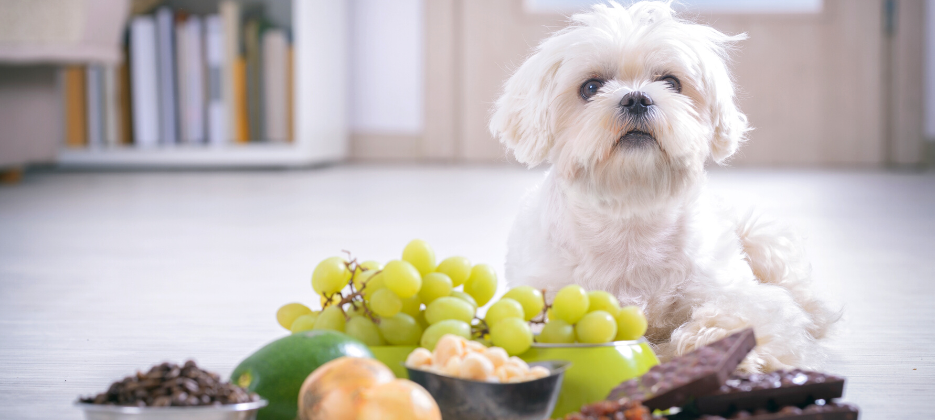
x: 169, y: 384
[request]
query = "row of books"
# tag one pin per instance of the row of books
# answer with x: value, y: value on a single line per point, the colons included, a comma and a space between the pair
x: 217, y: 79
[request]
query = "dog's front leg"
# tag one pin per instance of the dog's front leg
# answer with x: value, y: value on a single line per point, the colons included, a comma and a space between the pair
x: 780, y: 325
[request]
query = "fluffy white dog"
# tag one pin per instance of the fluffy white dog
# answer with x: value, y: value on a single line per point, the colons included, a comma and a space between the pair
x: 627, y: 104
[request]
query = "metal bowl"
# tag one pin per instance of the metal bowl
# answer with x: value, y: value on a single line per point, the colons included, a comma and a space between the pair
x: 464, y: 399
x: 243, y: 411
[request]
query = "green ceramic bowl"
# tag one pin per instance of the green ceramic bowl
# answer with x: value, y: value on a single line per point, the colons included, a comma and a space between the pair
x: 595, y: 369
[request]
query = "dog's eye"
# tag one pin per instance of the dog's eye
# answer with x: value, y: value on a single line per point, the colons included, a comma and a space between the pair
x: 590, y: 88
x: 673, y: 83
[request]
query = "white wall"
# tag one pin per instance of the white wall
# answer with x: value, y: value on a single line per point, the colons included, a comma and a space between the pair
x: 387, y: 55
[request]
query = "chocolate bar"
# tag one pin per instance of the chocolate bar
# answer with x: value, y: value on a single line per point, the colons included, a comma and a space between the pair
x: 829, y: 411
x: 693, y: 375
x: 770, y: 390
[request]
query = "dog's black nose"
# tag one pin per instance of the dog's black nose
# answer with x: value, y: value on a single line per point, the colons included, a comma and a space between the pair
x: 636, y: 102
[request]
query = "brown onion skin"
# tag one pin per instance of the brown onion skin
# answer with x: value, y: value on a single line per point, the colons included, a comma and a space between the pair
x: 401, y: 399
x: 333, y: 391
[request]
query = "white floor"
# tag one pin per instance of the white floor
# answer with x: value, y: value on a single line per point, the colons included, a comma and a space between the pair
x: 105, y: 273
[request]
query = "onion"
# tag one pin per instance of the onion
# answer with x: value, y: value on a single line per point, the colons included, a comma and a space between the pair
x: 401, y: 399
x: 333, y: 391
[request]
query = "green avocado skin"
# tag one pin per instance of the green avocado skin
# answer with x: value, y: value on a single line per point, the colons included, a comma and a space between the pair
x: 278, y: 370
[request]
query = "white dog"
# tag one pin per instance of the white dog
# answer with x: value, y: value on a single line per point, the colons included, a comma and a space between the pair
x: 627, y: 104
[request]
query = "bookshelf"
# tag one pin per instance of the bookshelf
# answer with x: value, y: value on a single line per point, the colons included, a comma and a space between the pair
x: 320, y: 109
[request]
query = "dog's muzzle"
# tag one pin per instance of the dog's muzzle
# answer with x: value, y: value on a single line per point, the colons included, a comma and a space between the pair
x: 636, y: 110
x: 636, y: 103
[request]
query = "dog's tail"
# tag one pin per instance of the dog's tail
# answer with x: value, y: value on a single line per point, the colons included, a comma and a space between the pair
x: 777, y: 257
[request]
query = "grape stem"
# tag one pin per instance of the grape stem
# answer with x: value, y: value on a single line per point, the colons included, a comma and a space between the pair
x: 354, y: 297
x: 480, y: 328
x: 543, y: 316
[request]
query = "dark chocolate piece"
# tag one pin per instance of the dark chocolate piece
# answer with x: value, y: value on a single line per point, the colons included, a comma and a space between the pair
x: 693, y: 375
x: 829, y: 411
x: 771, y: 390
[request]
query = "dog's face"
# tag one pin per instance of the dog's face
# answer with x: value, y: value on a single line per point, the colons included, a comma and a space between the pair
x: 628, y: 103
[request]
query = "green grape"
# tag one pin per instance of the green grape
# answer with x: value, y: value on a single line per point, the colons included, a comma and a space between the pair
x: 631, y: 323
x: 330, y: 276
x: 599, y: 300
x: 557, y: 332
x: 449, y: 326
x: 364, y: 271
x: 363, y: 329
x: 531, y: 299
x: 374, y: 283
x: 482, y: 284
x: 434, y: 286
x: 420, y: 255
x: 513, y: 334
x: 465, y: 297
x: 458, y: 269
x: 400, y: 330
x: 412, y: 306
x: 304, y: 322
x: 596, y: 327
x: 334, y: 300
x: 402, y: 278
x: 548, y: 315
x: 420, y: 319
x: 353, y: 311
x: 571, y: 303
x: 363, y: 277
x: 369, y: 266
x: 385, y: 303
x: 503, y: 309
x: 287, y: 314
x: 331, y: 318
x: 448, y: 308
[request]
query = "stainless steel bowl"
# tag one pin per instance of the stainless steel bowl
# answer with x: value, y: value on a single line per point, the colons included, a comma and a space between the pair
x: 463, y: 399
x: 243, y: 411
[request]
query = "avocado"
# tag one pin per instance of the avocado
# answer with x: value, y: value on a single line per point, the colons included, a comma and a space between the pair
x: 277, y: 370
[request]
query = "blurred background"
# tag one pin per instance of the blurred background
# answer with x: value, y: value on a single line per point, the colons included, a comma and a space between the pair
x: 172, y: 171
x: 280, y: 83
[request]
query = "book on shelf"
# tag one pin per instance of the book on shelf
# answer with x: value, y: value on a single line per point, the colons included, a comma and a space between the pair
x: 214, y: 60
x: 181, y: 66
x: 125, y: 108
x: 232, y: 81
x: 274, y: 46
x: 111, y: 106
x: 144, y: 81
x: 73, y: 92
x: 251, y: 40
x: 94, y: 100
x: 217, y: 79
x: 165, y: 42
x: 241, y: 119
x: 193, y: 95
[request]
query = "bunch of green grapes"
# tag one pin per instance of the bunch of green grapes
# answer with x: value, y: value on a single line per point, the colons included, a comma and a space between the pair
x: 410, y: 301
x: 574, y: 316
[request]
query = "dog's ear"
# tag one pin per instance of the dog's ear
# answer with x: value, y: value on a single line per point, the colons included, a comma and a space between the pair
x: 521, y: 115
x: 730, y: 125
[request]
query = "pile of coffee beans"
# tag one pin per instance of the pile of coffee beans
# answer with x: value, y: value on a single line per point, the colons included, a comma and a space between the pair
x: 169, y: 384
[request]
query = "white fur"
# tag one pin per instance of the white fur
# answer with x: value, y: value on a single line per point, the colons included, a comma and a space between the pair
x: 637, y: 221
